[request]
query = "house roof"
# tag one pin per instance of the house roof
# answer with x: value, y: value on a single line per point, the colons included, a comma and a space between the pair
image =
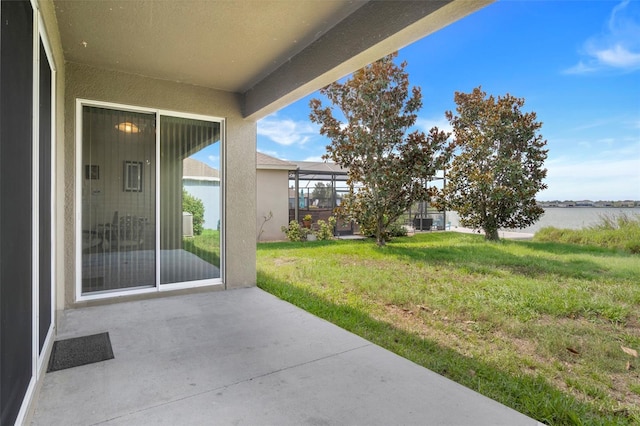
x: 194, y: 169
x: 320, y: 170
x: 320, y: 166
x: 264, y: 161
x: 271, y: 52
x: 307, y: 170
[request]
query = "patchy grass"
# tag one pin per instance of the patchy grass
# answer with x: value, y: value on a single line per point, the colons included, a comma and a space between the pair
x: 537, y: 326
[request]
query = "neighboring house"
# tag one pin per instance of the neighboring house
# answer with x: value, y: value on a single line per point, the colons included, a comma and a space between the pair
x: 272, y: 183
x: 278, y: 198
x: 203, y: 182
x: 101, y: 101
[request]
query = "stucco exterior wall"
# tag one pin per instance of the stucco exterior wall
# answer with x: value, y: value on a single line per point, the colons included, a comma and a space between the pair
x: 273, y: 196
x: 98, y: 84
x: 209, y: 193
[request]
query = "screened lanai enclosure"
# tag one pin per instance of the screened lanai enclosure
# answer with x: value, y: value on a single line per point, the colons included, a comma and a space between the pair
x: 317, y: 188
x: 425, y: 216
x: 133, y: 231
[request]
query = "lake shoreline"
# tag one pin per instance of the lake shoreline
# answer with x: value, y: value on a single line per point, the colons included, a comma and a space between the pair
x: 561, y: 217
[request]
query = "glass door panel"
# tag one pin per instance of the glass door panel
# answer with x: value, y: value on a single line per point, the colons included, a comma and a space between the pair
x: 189, y: 200
x: 118, y: 200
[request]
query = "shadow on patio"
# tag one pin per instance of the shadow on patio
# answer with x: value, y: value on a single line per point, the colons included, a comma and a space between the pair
x: 245, y: 357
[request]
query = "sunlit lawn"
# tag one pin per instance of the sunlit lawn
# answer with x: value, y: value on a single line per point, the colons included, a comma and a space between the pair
x: 539, y: 327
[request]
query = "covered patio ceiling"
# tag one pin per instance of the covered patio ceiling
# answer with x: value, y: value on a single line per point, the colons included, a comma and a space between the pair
x: 271, y: 52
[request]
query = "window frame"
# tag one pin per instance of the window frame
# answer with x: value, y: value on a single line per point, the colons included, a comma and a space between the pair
x: 79, y: 176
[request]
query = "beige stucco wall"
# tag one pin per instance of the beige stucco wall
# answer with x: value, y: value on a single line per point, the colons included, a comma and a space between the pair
x: 273, y: 196
x: 103, y: 85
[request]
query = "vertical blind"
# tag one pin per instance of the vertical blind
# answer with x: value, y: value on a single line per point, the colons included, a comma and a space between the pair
x: 190, y: 250
x: 118, y: 200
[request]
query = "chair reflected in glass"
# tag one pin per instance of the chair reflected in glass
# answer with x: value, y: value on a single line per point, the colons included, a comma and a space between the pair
x: 91, y: 241
x: 124, y: 233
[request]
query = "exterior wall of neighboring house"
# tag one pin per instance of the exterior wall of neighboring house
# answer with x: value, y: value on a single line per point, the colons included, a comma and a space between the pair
x: 272, y: 189
x: 208, y: 191
x: 85, y: 82
x: 203, y: 182
x: 272, y: 196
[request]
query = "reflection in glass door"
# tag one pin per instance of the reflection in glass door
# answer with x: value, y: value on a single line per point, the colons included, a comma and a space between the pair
x: 189, y: 200
x: 118, y: 200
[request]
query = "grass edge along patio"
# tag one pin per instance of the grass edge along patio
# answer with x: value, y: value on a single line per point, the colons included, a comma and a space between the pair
x: 539, y: 326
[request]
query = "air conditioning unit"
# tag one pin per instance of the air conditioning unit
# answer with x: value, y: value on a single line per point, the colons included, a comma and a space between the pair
x: 187, y: 224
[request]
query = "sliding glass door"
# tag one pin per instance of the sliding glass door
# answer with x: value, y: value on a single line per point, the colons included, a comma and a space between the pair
x: 118, y: 199
x: 189, y: 200
x: 151, y: 201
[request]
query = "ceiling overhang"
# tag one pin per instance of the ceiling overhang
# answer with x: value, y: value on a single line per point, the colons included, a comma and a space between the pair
x: 271, y: 52
x: 376, y: 29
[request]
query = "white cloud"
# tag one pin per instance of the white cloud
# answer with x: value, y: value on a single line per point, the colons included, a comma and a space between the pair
x: 316, y: 158
x: 568, y: 168
x: 618, y: 56
x: 594, y: 179
x: 591, y: 124
x: 286, y: 132
x: 269, y: 153
x: 617, y: 47
x: 623, y: 149
x: 425, y: 124
x: 580, y: 68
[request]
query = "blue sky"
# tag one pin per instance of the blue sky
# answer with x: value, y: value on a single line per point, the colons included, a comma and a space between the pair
x: 576, y: 63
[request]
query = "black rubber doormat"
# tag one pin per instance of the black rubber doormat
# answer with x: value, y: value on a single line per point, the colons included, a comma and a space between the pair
x: 78, y: 351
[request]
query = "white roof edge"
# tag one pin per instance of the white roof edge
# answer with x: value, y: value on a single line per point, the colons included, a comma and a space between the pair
x: 207, y: 178
x: 276, y: 167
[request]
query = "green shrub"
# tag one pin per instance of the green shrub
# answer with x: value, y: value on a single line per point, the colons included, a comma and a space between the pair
x: 325, y: 230
x: 195, y: 206
x: 397, y: 230
x: 295, y: 232
x: 393, y: 230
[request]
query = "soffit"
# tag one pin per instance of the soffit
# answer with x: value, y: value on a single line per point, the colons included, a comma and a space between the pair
x: 272, y: 52
x: 226, y: 45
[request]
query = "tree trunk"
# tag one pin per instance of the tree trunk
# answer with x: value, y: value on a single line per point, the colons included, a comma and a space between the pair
x: 491, y: 234
x: 380, y: 237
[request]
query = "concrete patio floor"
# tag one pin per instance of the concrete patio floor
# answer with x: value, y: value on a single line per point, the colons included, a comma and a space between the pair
x: 245, y: 357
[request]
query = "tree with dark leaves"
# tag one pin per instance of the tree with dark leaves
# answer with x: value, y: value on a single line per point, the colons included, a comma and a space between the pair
x: 388, y: 167
x: 498, y: 166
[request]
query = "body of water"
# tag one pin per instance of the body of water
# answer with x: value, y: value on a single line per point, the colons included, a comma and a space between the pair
x: 567, y: 218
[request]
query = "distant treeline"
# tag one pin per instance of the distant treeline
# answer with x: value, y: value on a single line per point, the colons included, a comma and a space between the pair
x: 589, y: 203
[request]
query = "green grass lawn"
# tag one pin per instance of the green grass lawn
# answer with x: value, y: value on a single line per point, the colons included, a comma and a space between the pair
x: 206, y: 246
x: 538, y: 326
